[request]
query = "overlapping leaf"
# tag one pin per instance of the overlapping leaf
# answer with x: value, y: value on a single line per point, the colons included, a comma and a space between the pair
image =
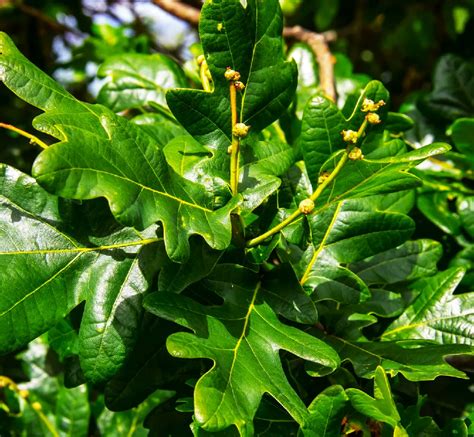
x: 323, y: 123
x: 453, y: 93
x: 385, y: 170
x: 462, y: 132
x: 411, y: 260
x: 416, y: 361
x: 344, y: 233
x: 44, y: 274
x: 63, y: 411
x: 243, y: 338
x: 260, y: 169
x: 437, y: 314
x: 147, y: 368
x: 249, y: 41
x: 136, y: 79
x: 131, y: 422
x: 382, y: 406
x: 104, y: 155
x: 326, y: 413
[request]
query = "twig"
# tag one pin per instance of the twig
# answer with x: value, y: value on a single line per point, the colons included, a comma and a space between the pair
x: 32, y: 138
x: 324, y: 57
x: 291, y: 218
x: 317, y: 42
x: 180, y: 10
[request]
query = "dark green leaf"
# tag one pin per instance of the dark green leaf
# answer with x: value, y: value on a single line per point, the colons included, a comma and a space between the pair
x: 436, y: 314
x: 249, y: 41
x: 73, y: 411
x: 346, y: 233
x: 349, y: 233
x: 411, y: 260
x: 243, y: 338
x: 453, y: 93
x: 320, y: 134
x: 397, y: 122
x: 462, y: 132
x: 136, y: 79
x: 174, y: 277
x: 382, y: 407
x: 435, y: 205
x: 416, y: 361
x: 378, y: 176
x: 49, y: 273
x: 146, y: 369
x: 104, y: 155
x: 326, y: 413
x: 130, y: 423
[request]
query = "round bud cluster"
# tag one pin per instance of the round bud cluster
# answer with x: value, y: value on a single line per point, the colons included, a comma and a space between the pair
x: 240, y: 130
x: 239, y: 86
x: 323, y: 176
x: 232, y: 74
x: 373, y: 118
x: 355, y: 154
x: 36, y: 406
x: 306, y: 206
x: 350, y: 136
x: 201, y: 59
x: 369, y: 105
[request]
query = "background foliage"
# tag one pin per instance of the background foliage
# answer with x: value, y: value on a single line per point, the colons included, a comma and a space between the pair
x: 415, y: 270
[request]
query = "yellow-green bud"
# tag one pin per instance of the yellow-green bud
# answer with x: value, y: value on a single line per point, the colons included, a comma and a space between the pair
x: 370, y: 106
x: 306, y: 206
x: 24, y: 393
x: 201, y: 59
x: 240, y: 130
x: 232, y: 74
x: 239, y: 86
x: 350, y: 136
x: 355, y: 154
x: 323, y: 176
x: 373, y: 118
x: 36, y: 406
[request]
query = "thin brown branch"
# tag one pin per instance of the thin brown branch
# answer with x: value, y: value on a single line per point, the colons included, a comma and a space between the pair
x: 180, y: 10
x: 317, y: 42
x: 324, y: 57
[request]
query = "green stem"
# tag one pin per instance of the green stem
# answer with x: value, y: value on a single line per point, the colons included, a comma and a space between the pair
x: 32, y: 138
x: 234, y: 166
x: 362, y: 128
x: 297, y: 213
x: 7, y: 382
x: 274, y: 230
x: 47, y: 423
x: 206, y: 84
x: 317, y: 251
x: 235, y: 146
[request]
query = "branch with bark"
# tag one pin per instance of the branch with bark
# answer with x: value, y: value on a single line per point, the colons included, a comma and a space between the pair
x: 317, y: 42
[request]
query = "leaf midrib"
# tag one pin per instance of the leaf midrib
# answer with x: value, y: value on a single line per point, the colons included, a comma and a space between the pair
x: 427, y: 323
x: 81, y: 250
x: 131, y: 181
x: 236, y: 349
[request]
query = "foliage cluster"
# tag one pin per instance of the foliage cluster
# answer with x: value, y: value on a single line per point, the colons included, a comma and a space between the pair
x: 222, y: 250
